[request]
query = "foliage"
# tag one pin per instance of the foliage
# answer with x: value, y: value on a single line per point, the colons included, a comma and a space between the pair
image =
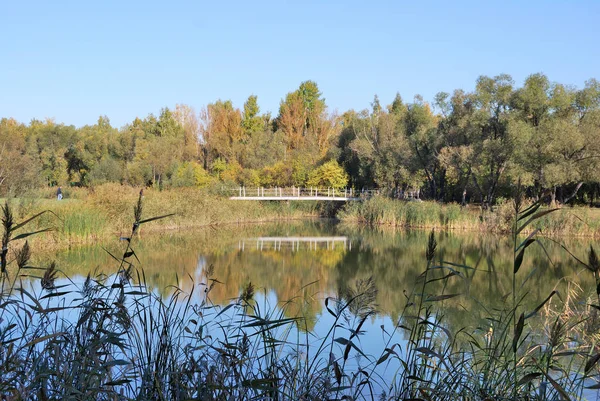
x: 329, y: 175
x: 464, y: 147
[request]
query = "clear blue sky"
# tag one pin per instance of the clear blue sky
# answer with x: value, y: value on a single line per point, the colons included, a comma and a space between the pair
x: 76, y: 60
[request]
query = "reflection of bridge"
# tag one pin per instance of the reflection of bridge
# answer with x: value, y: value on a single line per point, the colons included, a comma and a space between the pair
x: 295, y: 243
x: 301, y: 194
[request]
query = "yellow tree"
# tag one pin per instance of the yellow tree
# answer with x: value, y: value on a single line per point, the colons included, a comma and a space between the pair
x: 222, y: 131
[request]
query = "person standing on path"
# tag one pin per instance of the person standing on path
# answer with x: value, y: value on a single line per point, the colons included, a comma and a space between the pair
x: 59, y: 195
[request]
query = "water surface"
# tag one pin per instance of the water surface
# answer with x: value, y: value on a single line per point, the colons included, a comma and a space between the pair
x: 313, y: 260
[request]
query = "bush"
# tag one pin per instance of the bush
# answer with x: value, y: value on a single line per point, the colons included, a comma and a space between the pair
x: 190, y: 174
x: 329, y: 175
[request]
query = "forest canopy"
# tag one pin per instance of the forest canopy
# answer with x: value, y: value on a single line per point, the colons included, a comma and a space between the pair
x: 462, y: 146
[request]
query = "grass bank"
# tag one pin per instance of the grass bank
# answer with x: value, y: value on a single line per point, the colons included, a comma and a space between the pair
x: 105, y: 212
x: 380, y: 211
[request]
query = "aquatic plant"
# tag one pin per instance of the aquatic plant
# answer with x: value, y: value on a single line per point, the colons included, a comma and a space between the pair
x: 111, y: 337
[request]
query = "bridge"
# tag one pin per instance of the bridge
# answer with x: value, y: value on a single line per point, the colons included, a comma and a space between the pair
x: 295, y: 243
x: 301, y: 194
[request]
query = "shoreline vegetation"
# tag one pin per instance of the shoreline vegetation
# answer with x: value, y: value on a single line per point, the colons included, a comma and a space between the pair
x: 99, y: 214
x: 111, y: 337
x: 466, y: 147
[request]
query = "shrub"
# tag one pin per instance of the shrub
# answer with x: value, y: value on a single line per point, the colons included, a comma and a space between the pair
x: 329, y: 175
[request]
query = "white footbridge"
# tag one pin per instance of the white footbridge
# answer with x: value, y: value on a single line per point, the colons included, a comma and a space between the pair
x: 301, y: 194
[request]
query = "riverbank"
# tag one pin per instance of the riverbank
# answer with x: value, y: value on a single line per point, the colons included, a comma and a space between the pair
x: 379, y: 211
x: 106, y: 212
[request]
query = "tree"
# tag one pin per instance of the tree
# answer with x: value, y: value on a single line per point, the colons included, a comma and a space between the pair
x: 421, y: 131
x: 222, y: 131
x: 329, y: 175
x: 496, y: 145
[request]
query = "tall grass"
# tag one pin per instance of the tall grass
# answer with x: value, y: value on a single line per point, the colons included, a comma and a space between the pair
x: 382, y: 211
x: 101, y: 213
x: 111, y: 337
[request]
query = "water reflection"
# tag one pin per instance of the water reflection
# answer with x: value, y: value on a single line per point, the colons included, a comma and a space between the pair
x: 309, y: 261
x: 295, y: 243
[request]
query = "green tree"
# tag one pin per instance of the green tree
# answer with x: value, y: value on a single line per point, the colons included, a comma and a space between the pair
x: 329, y: 175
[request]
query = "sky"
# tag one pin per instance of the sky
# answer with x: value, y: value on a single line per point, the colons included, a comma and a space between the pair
x: 74, y: 61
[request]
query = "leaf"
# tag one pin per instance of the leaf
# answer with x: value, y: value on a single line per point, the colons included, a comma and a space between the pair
x: 116, y: 362
x: 518, y: 332
x: 338, y: 372
x: 44, y: 338
x: 427, y: 351
x: 530, y: 210
x: 528, y: 377
x: 445, y: 262
x: 19, y: 225
x: 260, y: 384
x: 155, y: 218
x: 519, y: 258
x: 327, y: 307
x: 591, y: 362
x: 25, y: 235
x: 440, y: 297
x: 224, y: 309
x: 136, y: 292
x: 535, y: 217
x: 558, y: 388
x: 341, y: 340
x: 541, y: 305
x: 117, y: 382
x: 55, y: 294
x: 530, y: 236
x: 347, y: 350
x: 383, y: 358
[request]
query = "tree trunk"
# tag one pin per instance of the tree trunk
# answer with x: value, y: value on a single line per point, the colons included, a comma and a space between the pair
x: 579, y: 184
x: 553, y: 196
x: 478, y: 189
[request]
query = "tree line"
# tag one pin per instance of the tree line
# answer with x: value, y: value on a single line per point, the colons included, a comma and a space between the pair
x: 461, y: 147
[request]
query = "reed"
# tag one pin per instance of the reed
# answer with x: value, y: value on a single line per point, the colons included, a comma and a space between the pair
x: 382, y: 211
x: 111, y: 337
x: 88, y: 216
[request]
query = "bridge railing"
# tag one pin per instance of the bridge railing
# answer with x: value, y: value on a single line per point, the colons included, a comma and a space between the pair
x: 301, y: 192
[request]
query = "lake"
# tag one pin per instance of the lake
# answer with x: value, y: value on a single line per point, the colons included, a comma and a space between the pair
x: 299, y: 268
x: 282, y: 258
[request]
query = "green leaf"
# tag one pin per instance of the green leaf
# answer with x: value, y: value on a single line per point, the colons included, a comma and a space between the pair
x: 528, y: 239
x: 528, y: 377
x: 383, y: 358
x: 55, y: 294
x: 25, y: 235
x: 519, y: 258
x: 155, y: 218
x: 541, y: 305
x: 558, y: 388
x: 19, y: 225
x: 341, y: 340
x: 518, y: 332
x: 116, y: 362
x: 591, y: 362
x: 530, y: 210
x: 436, y: 298
x: 535, y: 217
